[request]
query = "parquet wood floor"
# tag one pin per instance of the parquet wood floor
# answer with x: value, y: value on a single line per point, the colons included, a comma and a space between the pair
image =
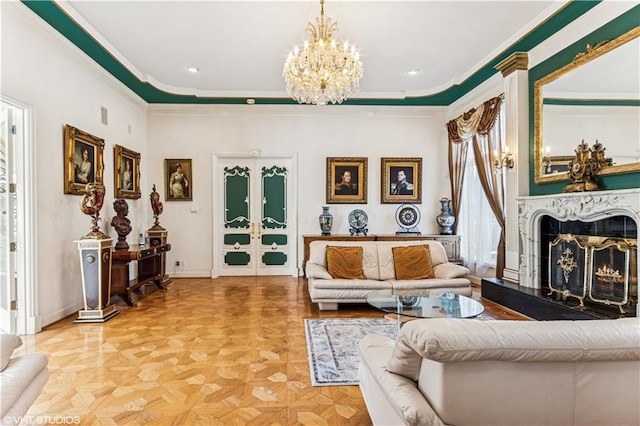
x: 205, y: 352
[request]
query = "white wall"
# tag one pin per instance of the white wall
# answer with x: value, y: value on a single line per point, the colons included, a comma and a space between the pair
x: 41, y: 69
x: 314, y: 133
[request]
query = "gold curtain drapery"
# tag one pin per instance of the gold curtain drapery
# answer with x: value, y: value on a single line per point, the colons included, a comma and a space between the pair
x: 477, y: 126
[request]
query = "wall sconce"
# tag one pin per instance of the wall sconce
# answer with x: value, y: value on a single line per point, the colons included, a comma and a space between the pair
x: 503, y: 159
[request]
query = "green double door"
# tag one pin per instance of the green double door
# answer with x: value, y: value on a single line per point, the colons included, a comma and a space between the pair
x: 253, y: 232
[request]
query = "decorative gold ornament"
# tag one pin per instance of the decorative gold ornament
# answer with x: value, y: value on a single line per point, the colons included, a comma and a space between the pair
x: 585, y: 166
x: 567, y: 263
x: 90, y: 204
x: 323, y: 70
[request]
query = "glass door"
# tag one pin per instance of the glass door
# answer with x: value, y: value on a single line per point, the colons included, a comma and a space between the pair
x: 8, y: 216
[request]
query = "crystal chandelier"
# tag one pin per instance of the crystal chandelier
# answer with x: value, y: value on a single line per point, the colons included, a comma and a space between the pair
x: 324, y: 70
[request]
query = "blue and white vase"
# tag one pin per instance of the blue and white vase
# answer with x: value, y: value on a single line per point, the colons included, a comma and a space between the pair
x: 326, y: 221
x: 445, y: 219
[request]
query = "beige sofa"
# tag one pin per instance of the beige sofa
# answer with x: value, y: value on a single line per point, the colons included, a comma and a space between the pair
x: 22, y: 378
x: 378, y: 268
x: 472, y: 372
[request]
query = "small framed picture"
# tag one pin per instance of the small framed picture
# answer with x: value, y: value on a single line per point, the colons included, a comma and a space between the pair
x: 126, y: 173
x: 401, y: 180
x: 177, y: 179
x: 83, y: 155
x: 558, y: 164
x: 346, y: 180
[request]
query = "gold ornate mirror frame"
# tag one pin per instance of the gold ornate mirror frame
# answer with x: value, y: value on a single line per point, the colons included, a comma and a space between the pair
x: 591, y: 53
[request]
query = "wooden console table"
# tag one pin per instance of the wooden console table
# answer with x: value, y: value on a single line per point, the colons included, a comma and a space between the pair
x: 149, y: 260
x: 451, y: 243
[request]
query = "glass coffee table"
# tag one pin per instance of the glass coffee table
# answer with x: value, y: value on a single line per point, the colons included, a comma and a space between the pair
x: 425, y: 305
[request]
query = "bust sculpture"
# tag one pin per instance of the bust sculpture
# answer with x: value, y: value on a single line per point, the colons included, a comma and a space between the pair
x: 121, y: 223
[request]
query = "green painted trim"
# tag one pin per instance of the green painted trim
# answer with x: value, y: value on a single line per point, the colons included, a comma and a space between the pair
x: 232, y: 239
x: 591, y: 102
x: 237, y: 258
x: 279, y: 239
x: 274, y: 258
x: 609, y: 31
x: 65, y: 25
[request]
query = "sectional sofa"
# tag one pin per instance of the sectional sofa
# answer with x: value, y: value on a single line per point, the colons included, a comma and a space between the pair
x: 472, y: 372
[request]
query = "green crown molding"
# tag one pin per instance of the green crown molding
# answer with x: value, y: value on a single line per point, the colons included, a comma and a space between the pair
x: 611, y: 30
x: 591, y: 102
x: 49, y: 11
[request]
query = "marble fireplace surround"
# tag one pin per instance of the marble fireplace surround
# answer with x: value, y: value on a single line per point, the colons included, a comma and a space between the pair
x: 583, y: 206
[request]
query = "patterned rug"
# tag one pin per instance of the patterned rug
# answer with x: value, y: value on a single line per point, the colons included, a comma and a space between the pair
x: 332, y: 345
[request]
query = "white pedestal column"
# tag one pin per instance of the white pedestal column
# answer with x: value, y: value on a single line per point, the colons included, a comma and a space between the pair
x: 95, y: 264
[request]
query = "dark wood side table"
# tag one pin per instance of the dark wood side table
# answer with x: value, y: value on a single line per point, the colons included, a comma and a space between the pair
x: 149, y: 260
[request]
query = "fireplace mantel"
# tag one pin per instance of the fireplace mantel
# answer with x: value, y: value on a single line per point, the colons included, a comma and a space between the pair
x: 582, y: 206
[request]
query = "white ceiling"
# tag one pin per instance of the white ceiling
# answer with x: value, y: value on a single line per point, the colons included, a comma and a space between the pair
x: 240, y: 46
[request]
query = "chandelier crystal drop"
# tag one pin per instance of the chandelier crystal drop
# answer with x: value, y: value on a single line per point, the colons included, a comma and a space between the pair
x: 324, y: 70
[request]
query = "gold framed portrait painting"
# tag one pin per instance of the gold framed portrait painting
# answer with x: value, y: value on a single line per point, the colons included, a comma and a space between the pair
x: 126, y: 173
x: 83, y: 160
x: 347, y: 180
x: 178, y: 181
x: 401, y: 180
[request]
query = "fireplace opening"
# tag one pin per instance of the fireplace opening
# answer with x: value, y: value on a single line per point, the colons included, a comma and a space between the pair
x: 591, y: 265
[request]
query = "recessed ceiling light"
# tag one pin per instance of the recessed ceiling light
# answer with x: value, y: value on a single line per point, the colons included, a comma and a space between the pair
x: 413, y: 72
x: 193, y: 69
x: 251, y: 101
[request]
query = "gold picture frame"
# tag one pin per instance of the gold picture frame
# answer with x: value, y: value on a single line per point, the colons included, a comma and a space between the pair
x: 178, y: 182
x: 401, y: 180
x: 347, y: 180
x: 126, y: 173
x: 83, y: 159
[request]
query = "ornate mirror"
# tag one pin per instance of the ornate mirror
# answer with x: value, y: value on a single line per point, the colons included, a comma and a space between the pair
x: 594, y: 97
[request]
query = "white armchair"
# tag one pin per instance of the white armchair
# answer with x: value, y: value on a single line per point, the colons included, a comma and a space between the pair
x: 22, y: 378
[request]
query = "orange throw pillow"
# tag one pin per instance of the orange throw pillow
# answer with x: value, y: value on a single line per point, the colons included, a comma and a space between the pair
x: 412, y: 262
x: 345, y: 262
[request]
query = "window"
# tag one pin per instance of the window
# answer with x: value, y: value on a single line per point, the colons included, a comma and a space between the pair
x: 477, y: 224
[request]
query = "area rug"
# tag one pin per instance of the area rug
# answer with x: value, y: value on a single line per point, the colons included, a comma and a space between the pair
x: 332, y: 345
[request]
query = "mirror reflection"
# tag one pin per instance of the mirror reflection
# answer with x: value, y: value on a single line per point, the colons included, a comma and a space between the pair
x: 596, y: 98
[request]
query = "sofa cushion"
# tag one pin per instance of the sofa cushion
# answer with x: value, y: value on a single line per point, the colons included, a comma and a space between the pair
x: 8, y: 342
x: 385, y: 255
x: 318, y: 255
x: 462, y: 340
x: 345, y: 262
x: 448, y: 271
x: 312, y: 270
x: 412, y: 262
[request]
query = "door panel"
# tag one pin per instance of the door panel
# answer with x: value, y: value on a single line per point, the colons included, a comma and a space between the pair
x: 255, y: 231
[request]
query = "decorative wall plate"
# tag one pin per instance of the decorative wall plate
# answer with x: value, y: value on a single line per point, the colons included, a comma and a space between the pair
x: 408, y: 218
x: 358, y: 220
